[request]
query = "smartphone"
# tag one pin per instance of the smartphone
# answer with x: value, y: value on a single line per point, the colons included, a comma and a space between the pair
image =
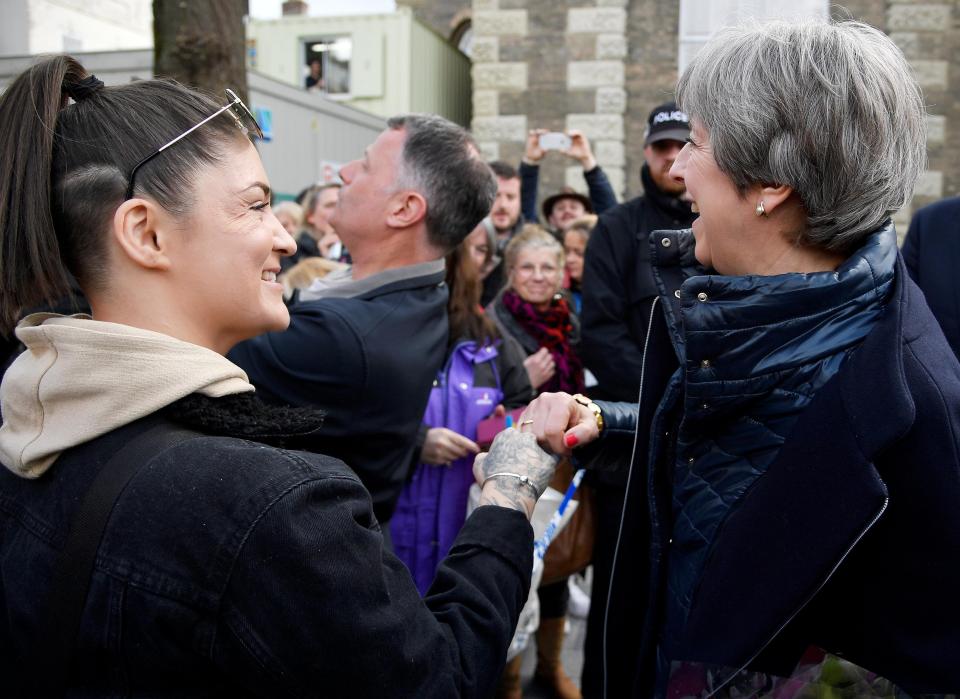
x: 554, y: 140
x: 492, y: 426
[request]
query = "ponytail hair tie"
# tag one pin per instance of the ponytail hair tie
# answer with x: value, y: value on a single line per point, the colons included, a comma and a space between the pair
x: 82, y: 89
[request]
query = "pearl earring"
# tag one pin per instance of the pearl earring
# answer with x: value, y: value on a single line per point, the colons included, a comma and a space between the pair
x: 760, y: 210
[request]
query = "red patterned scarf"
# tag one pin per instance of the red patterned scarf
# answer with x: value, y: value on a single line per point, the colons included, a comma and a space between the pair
x: 551, y: 329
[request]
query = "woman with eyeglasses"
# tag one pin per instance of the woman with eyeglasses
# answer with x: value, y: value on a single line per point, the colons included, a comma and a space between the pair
x: 158, y: 536
x: 532, y: 311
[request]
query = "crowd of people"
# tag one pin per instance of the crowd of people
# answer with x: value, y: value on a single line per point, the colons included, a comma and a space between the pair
x: 244, y: 440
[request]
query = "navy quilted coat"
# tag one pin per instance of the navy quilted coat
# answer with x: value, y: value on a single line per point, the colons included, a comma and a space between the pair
x: 803, y: 480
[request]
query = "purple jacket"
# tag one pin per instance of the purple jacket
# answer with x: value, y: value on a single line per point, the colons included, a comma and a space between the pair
x: 432, y: 507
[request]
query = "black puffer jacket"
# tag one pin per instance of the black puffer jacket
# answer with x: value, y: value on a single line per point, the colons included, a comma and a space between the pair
x: 234, y: 568
x: 848, y: 538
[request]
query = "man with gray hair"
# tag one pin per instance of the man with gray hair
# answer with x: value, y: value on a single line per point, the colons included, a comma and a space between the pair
x: 365, y: 344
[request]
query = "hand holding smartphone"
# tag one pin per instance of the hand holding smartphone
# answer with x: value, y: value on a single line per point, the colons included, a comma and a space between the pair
x: 555, y: 140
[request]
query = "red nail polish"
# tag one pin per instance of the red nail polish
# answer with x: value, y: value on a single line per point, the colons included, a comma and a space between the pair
x: 571, y: 440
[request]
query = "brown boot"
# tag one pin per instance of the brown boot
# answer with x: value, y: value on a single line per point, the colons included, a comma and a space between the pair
x: 549, y: 669
x: 509, y: 685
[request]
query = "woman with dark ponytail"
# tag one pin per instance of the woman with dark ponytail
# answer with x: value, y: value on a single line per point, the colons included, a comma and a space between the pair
x: 157, y: 534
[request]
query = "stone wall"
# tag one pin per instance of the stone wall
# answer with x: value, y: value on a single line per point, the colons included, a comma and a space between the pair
x: 929, y: 35
x: 598, y: 66
x: 601, y: 65
x: 653, y: 28
x: 553, y: 65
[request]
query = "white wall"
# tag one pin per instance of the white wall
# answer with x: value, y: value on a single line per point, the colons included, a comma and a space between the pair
x: 112, y: 67
x: 378, y: 65
x: 52, y: 26
x: 308, y: 129
x: 398, y: 65
x: 699, y: 19
x: 15, y: 28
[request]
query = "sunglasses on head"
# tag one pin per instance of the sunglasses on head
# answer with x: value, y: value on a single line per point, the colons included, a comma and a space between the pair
x: 243, y: 117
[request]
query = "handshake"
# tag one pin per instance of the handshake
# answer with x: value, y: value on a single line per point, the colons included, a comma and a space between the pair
x: 521, y: 461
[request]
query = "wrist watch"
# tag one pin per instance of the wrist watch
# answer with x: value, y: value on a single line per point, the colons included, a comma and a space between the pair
x: 592, y: 407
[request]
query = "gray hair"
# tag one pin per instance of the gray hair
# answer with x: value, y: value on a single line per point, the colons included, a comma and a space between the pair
x: 441, y: 161
x: 531, y: 237
x: 832, y: 110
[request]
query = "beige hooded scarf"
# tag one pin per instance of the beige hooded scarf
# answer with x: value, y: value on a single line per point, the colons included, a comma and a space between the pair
x: 80, y: 378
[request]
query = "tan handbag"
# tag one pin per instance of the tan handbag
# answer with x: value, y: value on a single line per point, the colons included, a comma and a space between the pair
x: 572, y: 550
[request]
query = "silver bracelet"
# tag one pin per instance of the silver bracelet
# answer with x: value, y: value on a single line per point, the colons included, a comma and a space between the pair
x: 524, y: 480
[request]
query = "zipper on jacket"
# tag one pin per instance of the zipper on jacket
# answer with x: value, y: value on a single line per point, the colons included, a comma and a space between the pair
x: 626, y: 494
x: 809, y: 598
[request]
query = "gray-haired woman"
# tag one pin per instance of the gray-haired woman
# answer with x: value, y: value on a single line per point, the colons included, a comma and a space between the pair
x: 802, y: 484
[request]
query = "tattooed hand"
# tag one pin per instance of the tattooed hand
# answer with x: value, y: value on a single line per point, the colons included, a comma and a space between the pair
x: 516, y: 452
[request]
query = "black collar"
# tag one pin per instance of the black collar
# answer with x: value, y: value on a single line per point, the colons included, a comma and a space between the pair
x: 245, y: 416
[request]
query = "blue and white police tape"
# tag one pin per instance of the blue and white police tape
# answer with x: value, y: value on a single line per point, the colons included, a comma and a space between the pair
x: 541, y: 544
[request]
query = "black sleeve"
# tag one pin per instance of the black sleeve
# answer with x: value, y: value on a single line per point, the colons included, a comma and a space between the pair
x: 315, y: 606
x: 319, y: 359
x: 10, y: 349
x: 601, y: 193
x: 529, y: 183
x: 514, y: 379
x: 421, y: 438
x: 612, y: 450
x: 368, y: 363
x: 607, y: 346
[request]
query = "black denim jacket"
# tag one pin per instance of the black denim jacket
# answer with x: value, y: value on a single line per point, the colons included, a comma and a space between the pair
x: 230, y: 567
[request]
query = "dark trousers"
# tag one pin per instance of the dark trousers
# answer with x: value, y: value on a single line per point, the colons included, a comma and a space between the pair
x: 623, y: 623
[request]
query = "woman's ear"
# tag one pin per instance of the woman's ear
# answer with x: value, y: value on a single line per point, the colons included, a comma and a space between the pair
x: 138, y: 229
x: 773, y: 196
